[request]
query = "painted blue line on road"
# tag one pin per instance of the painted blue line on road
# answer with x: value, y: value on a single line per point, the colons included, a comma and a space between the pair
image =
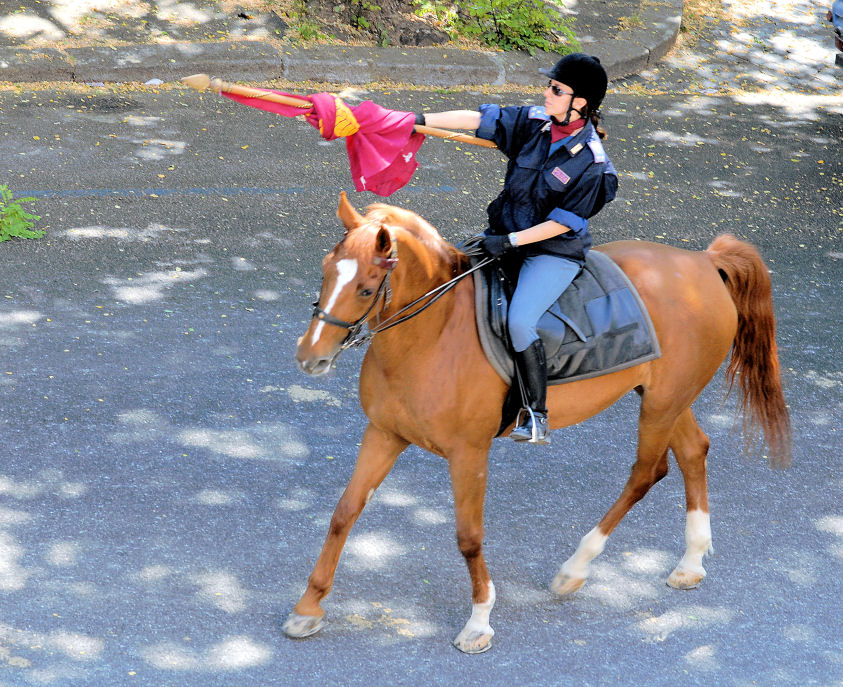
x: 199, y: 191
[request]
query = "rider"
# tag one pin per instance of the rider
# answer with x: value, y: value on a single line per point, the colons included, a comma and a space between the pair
x: 558, y: 176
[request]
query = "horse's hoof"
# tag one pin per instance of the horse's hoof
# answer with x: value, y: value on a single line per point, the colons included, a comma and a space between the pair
x: 300, y: 626
x: 685, y: 578
x: 474, y: 641
x: 564, y: 585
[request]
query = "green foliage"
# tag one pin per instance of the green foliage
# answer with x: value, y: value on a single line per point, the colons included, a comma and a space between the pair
x: 507, y: 24
x: 445, y: 14
x: 358, y: 18
x: 306, y: 28
x: 14, y: 220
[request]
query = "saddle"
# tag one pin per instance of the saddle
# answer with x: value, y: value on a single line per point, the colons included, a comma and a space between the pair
x: 599, y: 325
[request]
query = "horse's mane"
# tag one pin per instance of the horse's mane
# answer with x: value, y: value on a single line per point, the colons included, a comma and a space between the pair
x: 417, y: 226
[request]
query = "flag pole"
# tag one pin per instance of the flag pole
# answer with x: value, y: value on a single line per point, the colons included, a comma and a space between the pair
x: 202, y: 82
x: 454, y: 136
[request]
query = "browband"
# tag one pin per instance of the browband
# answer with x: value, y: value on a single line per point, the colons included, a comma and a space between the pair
x: 385, y: 263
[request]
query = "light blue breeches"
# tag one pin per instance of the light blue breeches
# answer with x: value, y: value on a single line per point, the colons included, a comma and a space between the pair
x: 541, y: 281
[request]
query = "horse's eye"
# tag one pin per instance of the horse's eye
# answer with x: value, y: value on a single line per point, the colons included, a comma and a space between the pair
x: 366, y: 292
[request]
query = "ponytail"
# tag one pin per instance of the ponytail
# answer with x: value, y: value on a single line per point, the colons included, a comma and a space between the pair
x: 594, y: 117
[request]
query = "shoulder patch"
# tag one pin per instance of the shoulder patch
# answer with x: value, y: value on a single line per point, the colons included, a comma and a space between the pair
x: 537, y: 112
x: 597, y: 150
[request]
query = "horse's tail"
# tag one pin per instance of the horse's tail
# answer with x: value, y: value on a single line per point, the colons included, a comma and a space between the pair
x: 754, y: 362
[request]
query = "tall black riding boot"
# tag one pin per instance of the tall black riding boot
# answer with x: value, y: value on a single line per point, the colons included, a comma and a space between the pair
x: 532, y: 419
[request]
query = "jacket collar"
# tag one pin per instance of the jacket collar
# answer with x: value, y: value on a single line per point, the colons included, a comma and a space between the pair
x: 575, y: 143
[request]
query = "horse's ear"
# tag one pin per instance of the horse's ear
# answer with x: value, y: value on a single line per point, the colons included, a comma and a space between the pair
x: 347, y: 214
x: 383, y: 242
x: 386, y: 252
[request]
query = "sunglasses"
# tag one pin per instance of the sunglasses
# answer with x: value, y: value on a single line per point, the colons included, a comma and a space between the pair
x: 556, y: 90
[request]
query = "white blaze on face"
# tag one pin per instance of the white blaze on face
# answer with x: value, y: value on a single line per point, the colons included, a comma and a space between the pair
x: 346, y: 271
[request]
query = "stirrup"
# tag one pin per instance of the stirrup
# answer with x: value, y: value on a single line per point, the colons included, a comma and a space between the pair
x: 533, y: 428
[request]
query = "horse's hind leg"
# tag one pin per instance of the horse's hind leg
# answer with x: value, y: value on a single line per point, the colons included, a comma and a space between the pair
x: 654, y: 432
x: 690, y: 446
x: 468, y: 480
x: 378, y: 453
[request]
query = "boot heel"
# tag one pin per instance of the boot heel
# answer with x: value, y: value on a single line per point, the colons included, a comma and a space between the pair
x: 540, y: 431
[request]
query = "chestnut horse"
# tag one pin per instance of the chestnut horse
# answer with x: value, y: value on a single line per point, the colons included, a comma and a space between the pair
x: 427, y: 382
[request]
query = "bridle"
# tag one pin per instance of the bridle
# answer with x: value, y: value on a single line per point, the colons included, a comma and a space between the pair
x: 356, y: 335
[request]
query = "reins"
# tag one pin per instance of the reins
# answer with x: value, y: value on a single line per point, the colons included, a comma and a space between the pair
x: 437, y: 293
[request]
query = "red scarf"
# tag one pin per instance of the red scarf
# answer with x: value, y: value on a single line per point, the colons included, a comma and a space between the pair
x: 557, y: 132
x: 381, y: 152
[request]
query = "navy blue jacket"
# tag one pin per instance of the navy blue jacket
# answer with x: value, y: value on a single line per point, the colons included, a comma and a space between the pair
x: 569, y: 185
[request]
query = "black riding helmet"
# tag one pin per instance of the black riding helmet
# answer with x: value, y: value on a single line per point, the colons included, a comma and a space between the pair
x: 584, y: 74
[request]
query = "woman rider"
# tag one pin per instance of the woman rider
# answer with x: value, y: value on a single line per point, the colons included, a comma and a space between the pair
x: 558, y: 176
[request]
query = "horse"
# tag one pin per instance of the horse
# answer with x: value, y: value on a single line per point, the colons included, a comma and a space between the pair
x: 428, y: 382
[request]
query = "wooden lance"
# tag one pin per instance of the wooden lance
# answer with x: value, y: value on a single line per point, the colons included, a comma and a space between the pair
x: 202, y: 82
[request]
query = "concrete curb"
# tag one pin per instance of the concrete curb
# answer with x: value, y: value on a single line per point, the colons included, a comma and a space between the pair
x: 243, y: 60
x: 622, y: 53
x: 37, y: 64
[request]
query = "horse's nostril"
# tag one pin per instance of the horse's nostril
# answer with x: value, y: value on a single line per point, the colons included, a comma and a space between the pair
x: 315, y: 366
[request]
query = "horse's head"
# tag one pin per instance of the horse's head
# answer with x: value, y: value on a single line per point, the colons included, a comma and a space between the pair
x: 355, y: 285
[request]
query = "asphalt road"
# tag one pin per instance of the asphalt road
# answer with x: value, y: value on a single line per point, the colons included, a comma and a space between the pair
x: 168, y: 475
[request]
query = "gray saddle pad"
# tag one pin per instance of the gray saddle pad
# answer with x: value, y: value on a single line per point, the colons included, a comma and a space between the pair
x: 599, y: 325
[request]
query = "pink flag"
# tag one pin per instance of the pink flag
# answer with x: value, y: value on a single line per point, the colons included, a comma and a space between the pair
x: 381, y: 143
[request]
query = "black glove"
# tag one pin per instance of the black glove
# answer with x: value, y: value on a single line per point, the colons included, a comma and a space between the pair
x: 420, y: 119
x: 495, y: 246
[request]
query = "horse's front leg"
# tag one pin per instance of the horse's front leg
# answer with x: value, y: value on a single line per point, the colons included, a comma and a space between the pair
x: 378, y: 453
x: 468, y: 479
